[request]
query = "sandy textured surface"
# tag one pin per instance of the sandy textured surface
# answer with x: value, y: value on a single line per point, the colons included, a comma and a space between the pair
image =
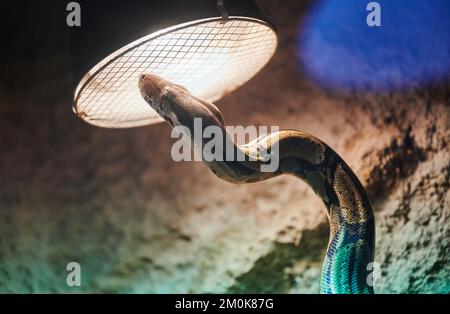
x: 114, y: 201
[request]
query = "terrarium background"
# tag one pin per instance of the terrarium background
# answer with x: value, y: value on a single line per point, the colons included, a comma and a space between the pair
x: 114, y: 201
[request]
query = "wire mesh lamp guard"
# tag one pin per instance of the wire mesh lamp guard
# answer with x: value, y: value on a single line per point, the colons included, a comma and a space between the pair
x: 209, y: 46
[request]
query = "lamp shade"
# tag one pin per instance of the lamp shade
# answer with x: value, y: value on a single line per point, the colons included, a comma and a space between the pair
x: 211, y: 47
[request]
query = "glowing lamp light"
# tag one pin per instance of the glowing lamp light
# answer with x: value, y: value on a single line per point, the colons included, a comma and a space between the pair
x: 211, y: 47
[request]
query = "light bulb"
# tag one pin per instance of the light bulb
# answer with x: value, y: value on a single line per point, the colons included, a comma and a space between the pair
x: 210, y: 57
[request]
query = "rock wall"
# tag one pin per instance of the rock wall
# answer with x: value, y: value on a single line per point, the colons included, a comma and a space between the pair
x: 115, y: 202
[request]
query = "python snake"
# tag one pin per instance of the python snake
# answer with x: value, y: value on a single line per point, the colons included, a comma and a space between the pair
x: 350, y: 214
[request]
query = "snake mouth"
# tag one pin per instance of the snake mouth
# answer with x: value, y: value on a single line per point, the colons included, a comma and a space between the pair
x: 168, y: 120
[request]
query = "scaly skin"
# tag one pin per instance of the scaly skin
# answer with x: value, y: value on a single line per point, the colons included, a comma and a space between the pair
x: 350, y: 215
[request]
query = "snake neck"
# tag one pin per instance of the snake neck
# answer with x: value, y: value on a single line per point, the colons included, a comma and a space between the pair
x: 350, y: 215
x: 352, y: 231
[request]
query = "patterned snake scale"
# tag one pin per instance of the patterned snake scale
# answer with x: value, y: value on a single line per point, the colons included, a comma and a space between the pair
x: 350, y: 215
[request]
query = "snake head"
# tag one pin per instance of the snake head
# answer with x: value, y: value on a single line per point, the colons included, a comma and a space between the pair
x: 152, y: 88
x: 175, y: 104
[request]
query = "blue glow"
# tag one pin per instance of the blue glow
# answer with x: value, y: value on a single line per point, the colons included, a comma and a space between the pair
x: 411, y: 47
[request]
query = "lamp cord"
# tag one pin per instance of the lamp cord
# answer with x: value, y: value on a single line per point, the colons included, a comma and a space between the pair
x: 223, y: 10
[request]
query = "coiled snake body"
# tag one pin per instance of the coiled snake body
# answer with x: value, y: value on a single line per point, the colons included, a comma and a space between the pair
x: 350, y: 215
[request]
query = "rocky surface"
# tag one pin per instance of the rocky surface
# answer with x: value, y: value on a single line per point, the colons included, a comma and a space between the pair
x: 115, y: 202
